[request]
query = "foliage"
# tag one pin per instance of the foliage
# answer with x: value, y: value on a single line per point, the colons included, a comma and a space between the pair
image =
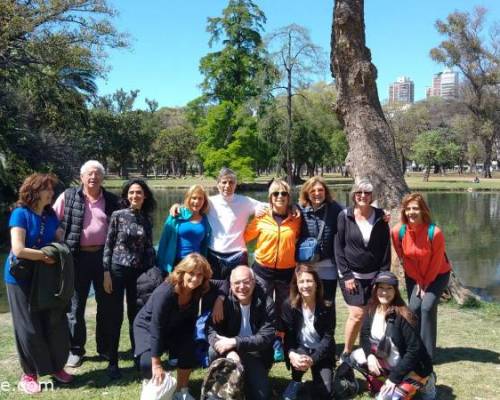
x: 477, y: 57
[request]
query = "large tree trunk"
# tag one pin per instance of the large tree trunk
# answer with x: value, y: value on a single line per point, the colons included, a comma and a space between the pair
x: 372, y: 153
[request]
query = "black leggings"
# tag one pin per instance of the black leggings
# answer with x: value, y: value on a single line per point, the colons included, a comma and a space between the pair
x: 322, y: 374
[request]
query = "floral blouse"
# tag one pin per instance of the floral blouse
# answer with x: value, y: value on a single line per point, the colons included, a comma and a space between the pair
x: 129, y: 242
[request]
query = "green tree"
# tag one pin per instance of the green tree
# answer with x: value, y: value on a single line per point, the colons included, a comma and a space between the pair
x: 466, y: 48
x: 231, y: 73
x: 431, y: 148
x: 297, y: 59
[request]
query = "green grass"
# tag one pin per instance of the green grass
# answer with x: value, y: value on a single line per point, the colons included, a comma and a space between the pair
x: 450, y: 182
x: 467, y: 360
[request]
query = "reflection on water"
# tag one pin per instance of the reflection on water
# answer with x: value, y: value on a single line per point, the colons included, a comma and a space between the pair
x: 469, y: 222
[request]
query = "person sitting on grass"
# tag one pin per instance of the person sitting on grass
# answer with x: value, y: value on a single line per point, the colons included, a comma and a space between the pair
x: 167, y: 322
x: 391, y: 348
x: 309, y: 329
x: 246, y: 332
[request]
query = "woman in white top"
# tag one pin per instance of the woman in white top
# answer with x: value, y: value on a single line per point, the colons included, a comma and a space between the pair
x: 362, y: 249
x: 309, y: 330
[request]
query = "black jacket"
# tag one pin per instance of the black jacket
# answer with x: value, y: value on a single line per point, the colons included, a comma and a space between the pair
x: 312, y: 220
x: 323, y: 323
x: 407, y: 340
x: 74, y: 209
x: 262, y: 322
x: 351, y: 254
x: 161, y: 317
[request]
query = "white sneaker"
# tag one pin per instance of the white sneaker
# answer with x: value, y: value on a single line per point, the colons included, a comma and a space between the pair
x: 292, y: 390
x: 183, y: 394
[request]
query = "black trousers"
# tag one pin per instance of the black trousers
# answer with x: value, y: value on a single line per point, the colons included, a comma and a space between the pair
x: 322, y: 374
x: 124, y: 280
x: 223, y: 263
x: 42, y: 337
x: 88, y: 270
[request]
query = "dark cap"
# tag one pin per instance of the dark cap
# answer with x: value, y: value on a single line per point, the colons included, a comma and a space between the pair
x: 387, y: 277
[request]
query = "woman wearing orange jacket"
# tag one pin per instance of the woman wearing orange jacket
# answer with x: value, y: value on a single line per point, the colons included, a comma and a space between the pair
x: 276, y: 233
x: 421, y: 248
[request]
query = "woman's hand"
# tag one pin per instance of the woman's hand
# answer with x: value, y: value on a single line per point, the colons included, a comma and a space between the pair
x: 351, y: 286
x: 158, y: 373
x: 300, y: 362
x: 218, y: 310
x: 373, y: 365
x: 174, y: 210
x: 107, y: 283
x: 388, y: 388
x: 46, y: 259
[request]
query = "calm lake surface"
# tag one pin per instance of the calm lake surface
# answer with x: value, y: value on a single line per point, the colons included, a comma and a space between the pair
x: 469, y: 222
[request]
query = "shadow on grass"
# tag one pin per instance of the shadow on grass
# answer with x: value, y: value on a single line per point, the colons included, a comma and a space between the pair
x: 453, y: 354
x: 445, y: 392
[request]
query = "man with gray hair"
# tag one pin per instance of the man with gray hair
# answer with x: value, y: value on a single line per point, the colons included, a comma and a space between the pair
x: 246, y: 333
x: 228, y: 214
x: 84, y: 213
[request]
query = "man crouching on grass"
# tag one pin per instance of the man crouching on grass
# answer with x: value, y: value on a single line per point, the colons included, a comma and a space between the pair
x: 246, y: 333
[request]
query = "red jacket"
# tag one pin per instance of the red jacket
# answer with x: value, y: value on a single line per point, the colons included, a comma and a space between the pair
x: 423, y: 259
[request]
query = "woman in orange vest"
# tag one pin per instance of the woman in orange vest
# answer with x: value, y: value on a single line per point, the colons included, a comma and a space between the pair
x: 421, y: 249
x: 276, y: 232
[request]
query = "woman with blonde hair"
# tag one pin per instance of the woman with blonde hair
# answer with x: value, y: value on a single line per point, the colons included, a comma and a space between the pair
x: 187, y: 232
x: 319, y: 221
x: 362, y: 250
x: 420, y: 246
x: 276, y: 233
x: 167, y: 322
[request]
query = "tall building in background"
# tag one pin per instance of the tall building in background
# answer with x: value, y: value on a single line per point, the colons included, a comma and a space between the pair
x: 444, y: 84
x: 402, y: 91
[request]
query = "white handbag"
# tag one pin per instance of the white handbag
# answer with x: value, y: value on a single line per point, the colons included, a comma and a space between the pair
x: 163, y: 391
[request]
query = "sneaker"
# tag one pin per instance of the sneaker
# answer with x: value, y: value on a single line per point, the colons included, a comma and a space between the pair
x: 292, y: 390
x: 29, y: 384
x: 428, y: 392
x: 63, y: 377
x: 183, y: 394
x: 114, y: 372
x: 74, y: 360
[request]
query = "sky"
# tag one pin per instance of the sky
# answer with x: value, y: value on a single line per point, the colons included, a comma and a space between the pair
x: 168, y: 38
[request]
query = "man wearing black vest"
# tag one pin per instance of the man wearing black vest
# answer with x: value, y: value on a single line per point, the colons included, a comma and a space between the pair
x: 84, y: 214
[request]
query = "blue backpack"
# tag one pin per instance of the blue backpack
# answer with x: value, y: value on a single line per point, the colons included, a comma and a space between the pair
x: 430, y: 232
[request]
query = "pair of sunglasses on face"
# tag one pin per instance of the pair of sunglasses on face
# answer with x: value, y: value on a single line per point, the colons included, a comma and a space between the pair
x: 276, y: 194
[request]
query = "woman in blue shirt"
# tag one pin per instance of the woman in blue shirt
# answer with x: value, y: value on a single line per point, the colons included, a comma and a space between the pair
x: 42, y: 342
x: 186, y: 233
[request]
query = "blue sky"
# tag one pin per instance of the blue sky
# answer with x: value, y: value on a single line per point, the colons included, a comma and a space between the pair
x: 169, y: 37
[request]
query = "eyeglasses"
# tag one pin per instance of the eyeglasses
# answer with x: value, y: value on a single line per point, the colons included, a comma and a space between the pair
x: 363, y: 192
x: 276, y: 194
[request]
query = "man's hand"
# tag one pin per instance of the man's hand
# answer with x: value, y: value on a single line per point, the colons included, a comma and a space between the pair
x: 261, y: 210
x: 224, y: 344
x: 373, y: 365
x: 300, y: 362
x: 351, y: 286
x: 107, y: 283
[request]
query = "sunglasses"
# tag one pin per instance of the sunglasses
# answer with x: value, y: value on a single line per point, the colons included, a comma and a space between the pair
x: 276, y: 194
x: 362, y: 192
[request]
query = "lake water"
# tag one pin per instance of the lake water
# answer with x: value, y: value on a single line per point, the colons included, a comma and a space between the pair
x: 469, y: 222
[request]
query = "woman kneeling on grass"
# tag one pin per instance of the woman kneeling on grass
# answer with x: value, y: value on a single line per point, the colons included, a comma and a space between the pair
x: 391, y: 348
x: 309, y: 327
x: 167, y: 322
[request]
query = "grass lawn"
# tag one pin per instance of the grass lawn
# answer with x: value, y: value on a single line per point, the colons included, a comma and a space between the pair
x: 436, y: 182
x: 467, y: 360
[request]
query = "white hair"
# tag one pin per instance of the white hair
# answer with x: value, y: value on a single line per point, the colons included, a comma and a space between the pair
x: 252, y: 273
x: 91, y: 164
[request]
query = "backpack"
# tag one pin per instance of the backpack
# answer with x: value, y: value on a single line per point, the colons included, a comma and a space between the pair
x: 345, y: 384
x: 430, y: 235
x: 223, y: 381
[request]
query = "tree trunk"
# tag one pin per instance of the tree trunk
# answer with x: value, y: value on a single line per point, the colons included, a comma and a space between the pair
x: 372, y: 152
x: 488, y: 148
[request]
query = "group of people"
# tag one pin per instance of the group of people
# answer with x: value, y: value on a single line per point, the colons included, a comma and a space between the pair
x: 283, y: 302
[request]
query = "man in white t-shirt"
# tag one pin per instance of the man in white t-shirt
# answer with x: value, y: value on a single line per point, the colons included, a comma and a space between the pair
x: 246, y: 333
